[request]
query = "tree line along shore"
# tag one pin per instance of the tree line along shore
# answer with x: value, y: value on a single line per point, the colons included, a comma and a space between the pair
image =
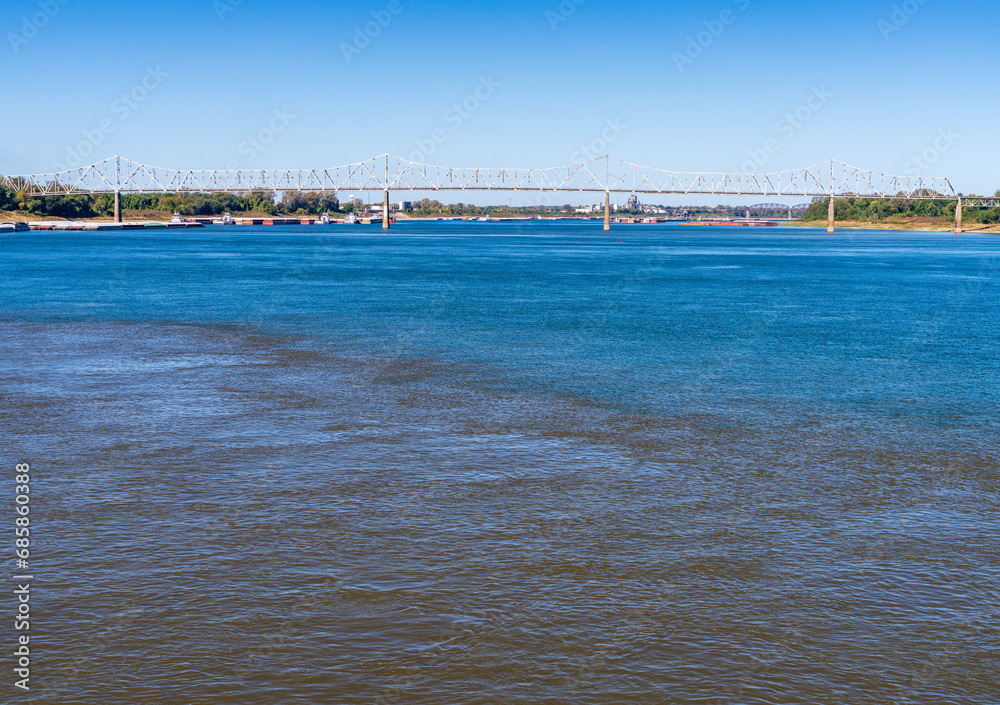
x: 865, y: 212
x: 878, y: 210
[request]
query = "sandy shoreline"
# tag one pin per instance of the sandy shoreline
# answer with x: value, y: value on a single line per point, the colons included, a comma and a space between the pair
x: 916, y: 225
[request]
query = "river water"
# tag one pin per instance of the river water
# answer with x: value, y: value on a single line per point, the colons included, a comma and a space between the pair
x: 506, y: 463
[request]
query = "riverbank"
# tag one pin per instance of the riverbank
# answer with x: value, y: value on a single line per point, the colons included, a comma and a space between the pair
x: 933, y: 225
x: 904, y: 225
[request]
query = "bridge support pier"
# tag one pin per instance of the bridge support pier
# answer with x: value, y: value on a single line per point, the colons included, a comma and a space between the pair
x: 385, y: 211
x: 118, y: 206
x: 830, y: 217
x: 958, y: 217
x: 607, y: 211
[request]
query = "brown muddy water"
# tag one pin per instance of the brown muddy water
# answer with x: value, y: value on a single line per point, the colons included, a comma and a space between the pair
x: 524, y: 464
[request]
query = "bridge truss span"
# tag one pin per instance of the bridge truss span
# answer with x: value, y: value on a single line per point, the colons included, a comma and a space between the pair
x: 982, y: 201
x: 387, y: 173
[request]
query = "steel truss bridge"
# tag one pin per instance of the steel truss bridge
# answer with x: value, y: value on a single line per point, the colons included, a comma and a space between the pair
x: 767, y: 207
x: 386, y: 173
x: 762, y: 208
x: 981, y: 201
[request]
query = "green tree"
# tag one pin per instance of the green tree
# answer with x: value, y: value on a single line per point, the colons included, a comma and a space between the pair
x: 7, y: 199
x: 104, y: 204
x: 308, y: 203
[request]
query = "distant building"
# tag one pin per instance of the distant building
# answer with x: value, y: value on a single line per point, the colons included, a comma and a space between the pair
x: 405, y: 206
x: 633, y: 203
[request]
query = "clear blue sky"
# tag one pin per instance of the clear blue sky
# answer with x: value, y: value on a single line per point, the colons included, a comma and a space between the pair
x: 890, y: 81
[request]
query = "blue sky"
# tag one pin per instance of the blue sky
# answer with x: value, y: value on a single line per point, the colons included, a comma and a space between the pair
x: 900, y: 87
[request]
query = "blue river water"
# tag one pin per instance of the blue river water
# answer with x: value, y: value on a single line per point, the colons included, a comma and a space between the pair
x: 507, y: 463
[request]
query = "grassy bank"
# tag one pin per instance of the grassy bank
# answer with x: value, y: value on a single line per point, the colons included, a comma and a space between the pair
x: 137, y: 216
